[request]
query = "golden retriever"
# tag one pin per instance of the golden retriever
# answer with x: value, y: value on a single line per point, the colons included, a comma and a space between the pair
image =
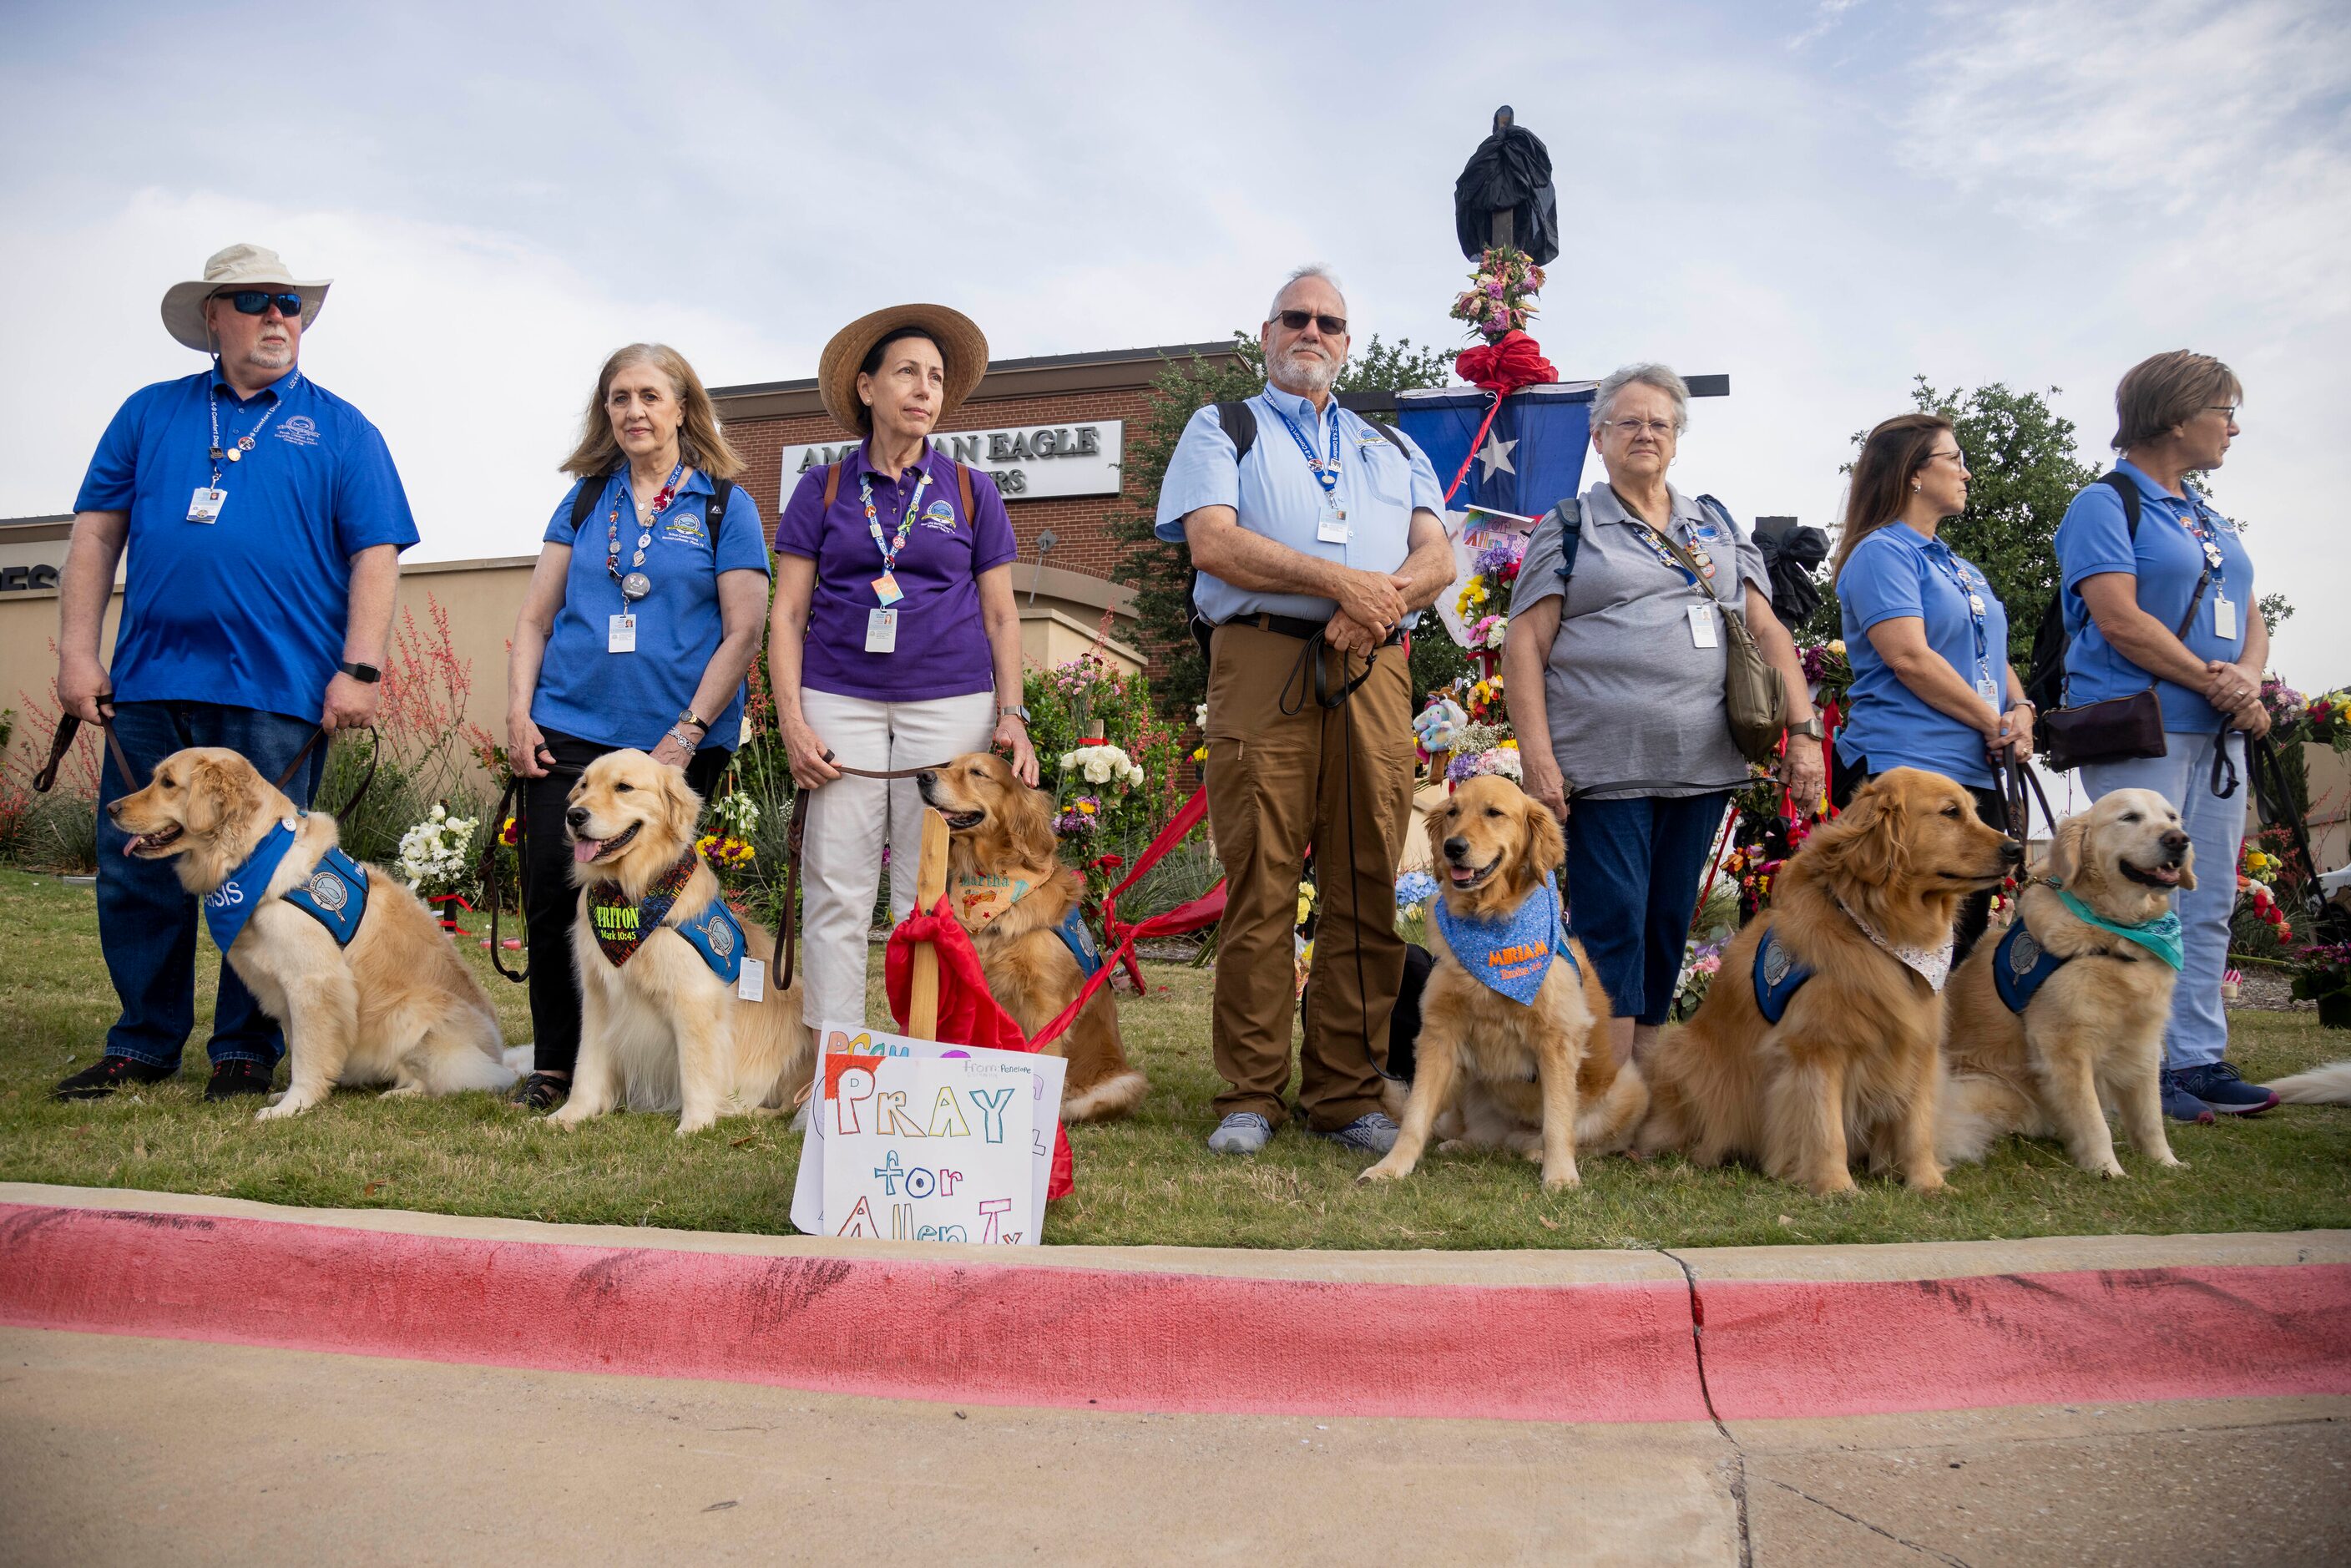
x: 397, y: 1005
x: 2092, y: 1034
x: 662, y: 1031
x: 1853, y: 1062
x: 1010, y: 890
x: 1492, y: 1070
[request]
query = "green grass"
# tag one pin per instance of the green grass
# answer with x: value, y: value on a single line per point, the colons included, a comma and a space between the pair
x: 1145, y: 1180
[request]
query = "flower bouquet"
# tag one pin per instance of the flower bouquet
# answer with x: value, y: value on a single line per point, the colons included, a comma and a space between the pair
x: 1501, y: 297
x: 437, y: 863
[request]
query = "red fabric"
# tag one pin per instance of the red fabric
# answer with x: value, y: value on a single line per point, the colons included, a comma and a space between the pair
x: 968, y: 1013
x: 1502, y: 367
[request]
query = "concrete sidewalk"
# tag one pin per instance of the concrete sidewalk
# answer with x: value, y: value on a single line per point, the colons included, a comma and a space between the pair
x: 128, y: 1449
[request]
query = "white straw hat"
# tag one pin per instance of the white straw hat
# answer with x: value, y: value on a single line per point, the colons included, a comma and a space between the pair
x: 238, y: 267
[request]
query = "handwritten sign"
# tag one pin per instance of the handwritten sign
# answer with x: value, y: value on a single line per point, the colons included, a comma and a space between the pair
x: 916, y: 1140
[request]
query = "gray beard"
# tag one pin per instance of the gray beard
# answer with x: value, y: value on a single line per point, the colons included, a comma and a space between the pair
x: 1305, y: 371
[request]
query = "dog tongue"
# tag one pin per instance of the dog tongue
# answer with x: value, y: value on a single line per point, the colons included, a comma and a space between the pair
x: 1462, y: 872
x: 586, y: 850
x: 131, y: 846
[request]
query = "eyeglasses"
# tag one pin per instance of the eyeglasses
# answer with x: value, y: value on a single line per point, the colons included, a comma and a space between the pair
x: 1630, y: 428
x: 2228, y: 408
x: 1332, y: 325
x: 257, y: 301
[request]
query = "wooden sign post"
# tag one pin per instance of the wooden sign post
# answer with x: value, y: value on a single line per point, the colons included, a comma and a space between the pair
x: 930, y: 886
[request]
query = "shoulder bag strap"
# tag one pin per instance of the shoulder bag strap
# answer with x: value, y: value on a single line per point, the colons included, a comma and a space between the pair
x: 831, y: 485
x: 962, y: 488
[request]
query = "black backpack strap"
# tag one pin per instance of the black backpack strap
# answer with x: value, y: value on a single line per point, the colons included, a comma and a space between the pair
x: 1570, y: 513
x: 1240, y: 421
x: 721, y: 492
x: 2044, y: 687
x: 584, y: 499
x: 2120, y: 484
x: 1395, y: 440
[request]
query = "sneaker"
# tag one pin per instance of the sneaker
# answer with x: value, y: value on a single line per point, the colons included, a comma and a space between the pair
x: 2181, y: 1105
x: 1372, y: 1132
x: 113, y: 1073
x: 1242, y: 1133
x: 2218, y: 1086
x: 541, y: 1091
x: 233, y: 1079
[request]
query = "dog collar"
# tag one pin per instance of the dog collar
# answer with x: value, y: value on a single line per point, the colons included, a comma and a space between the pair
x: 1511, y: 956
x: 2159, y: 935
x: 1932, y: 965
x: 622, y: 926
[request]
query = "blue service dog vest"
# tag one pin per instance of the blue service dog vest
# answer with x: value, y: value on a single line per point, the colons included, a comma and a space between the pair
x: 2021, y: 966
x: 717, y: 935
x: 335, y: 894
x: 1511, y: 955
x: 1777, y: 976
x: 1080, y: 941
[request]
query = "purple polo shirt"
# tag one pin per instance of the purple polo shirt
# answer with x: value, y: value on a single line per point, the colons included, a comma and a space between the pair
x: 942, y: 642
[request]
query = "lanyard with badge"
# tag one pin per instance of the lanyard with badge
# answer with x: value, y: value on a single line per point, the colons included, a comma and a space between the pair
x: 1333, y: 529
x: 881, y: 624
x: 1704, y: 632
x: 620, y: 630
x: 205, y: 505
x: 1972, y: 586
x: 2224, y: 609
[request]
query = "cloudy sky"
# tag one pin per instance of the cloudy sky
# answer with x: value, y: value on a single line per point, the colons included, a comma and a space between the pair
x: 1821, y: 199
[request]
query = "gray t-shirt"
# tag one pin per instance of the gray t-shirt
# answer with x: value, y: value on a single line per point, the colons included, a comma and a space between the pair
x: 1636, y: 706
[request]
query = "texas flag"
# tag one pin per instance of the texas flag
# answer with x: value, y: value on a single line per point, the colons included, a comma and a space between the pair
x: 1531, y: 457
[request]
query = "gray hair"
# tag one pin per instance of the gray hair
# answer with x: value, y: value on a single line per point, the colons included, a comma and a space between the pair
x: 1661, y: 377
x: 1315, y: 269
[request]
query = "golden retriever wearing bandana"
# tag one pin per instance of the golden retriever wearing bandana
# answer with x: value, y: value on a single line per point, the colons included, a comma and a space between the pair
x: 1490, y: 1071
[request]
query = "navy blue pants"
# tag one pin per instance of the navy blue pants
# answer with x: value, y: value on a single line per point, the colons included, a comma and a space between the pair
x: 1632, y: 870
x: 147, y: 921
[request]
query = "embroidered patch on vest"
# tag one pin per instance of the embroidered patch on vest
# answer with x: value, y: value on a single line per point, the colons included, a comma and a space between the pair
x: 1777, y: 978
x: 2021, y: 966
x: 1079, y: 938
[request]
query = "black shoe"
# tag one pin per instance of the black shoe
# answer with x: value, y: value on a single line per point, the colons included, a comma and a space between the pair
x: 113, y: 1073
x: 232, y: 1079
x: 541, y: 1091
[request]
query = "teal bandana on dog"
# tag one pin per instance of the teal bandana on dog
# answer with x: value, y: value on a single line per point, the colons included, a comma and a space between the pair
x: 1511, y: 956
x: 2159, y: 935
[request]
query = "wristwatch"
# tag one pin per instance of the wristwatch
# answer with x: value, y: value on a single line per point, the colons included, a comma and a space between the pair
x: 1015, y: 710
x: 1810, y: 729
x: 367, y: 673
x: 690, y: 716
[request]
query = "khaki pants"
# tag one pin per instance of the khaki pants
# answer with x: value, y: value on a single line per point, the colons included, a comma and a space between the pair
x: 1340, y: 781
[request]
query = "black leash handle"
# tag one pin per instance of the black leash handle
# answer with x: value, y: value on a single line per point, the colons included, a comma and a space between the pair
x: 69, y: 728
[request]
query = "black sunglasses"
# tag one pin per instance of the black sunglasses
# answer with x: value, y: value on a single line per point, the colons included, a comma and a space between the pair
x: 256, y: 302
x: 1332, y: 325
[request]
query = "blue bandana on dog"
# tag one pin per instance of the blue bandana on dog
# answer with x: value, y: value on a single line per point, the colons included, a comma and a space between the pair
x: 1511, y: 955
x: 335, y: 894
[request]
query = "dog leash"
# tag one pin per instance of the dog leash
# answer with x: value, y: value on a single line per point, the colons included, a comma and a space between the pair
x: 69, y: 727
x: 795, y: 834
x: 2010, y: 780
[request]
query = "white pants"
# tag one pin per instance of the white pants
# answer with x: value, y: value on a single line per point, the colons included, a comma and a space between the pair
x: 849, y: 821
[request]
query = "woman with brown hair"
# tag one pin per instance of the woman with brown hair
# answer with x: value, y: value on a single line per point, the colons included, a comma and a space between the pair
x: 1925, y: 635
x: 2158, y: 591
x: 639, y: 622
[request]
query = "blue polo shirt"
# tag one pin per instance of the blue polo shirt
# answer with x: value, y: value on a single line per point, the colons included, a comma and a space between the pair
x: 590, y: 693
x: 249, y: 609
x: 1898, y: 572
x: 1275, y: 494
x: 2167, y: 559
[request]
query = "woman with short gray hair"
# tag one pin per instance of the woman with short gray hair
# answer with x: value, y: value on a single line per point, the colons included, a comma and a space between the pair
x: 1618, y: 658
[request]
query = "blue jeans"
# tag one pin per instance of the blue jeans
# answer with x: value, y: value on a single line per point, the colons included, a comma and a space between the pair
x: 147, y: 921
x: 2199, y: 1030
x: 1633, y: 868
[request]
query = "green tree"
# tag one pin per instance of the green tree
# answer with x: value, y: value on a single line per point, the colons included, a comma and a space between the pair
x: 2026, y: 471
x: 1161, y: 572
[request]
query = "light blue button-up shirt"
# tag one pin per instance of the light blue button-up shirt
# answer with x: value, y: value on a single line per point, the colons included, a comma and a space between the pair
x: 1275, y: 494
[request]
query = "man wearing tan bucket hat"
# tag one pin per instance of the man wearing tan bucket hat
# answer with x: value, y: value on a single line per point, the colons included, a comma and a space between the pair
x: 894, y: 641
x: 264, y: 523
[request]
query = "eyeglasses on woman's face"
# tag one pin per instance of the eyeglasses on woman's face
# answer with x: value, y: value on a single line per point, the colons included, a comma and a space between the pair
x: 1630, y: 429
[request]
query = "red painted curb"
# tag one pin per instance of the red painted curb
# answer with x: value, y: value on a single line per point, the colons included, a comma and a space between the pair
x: 1026, y: 1334
x: 989, y: 1333
x: 2123, y: 1336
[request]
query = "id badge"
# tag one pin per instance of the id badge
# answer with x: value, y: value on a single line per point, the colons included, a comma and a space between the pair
x: 1333, y: 532
x: 753, y: 984
x: 2225, y: 618
x: 886, y: 589
x: 621, y: 636
x: 1703, y: 632
x: 1989, y: 694
x: 881, y: 630
x: 205, y: 505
